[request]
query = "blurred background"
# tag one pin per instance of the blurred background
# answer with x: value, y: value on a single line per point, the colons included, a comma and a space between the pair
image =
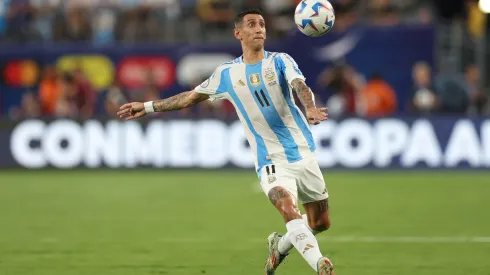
x: 406, y: 151
x: 384, y: 57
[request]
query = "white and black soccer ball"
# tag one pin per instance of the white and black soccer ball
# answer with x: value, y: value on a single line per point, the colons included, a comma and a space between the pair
x: 314, y: 18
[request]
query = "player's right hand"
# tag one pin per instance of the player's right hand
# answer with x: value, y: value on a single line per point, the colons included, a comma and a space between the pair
x: 131, y: 110
x: 316, y: 115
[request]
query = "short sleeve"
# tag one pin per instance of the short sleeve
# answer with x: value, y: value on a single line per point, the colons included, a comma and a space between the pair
x: 214, y: 86
x: 291, y: 69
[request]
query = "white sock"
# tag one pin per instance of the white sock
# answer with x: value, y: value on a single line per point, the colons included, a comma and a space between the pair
x: 285, y: 244
x: 304, y: 241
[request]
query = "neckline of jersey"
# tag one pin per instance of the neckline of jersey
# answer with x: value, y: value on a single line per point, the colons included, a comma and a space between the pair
x: 266, y: 55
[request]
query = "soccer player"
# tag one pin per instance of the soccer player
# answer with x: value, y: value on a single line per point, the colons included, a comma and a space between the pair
x: 260, y: 84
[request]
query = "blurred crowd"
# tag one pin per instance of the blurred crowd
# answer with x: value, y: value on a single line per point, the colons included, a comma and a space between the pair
x: 72, y: 95
x: 343, y: 90
x: 446, y: 93
x: 189, y: 21
x: 340, y: 87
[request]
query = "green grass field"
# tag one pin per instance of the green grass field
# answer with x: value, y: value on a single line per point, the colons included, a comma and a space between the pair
x: 203, y: 222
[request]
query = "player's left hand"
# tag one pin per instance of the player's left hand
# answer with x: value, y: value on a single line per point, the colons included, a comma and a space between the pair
x: 316, y: 115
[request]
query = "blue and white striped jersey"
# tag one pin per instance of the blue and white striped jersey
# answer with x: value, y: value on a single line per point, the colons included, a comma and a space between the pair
x: 262, y: 95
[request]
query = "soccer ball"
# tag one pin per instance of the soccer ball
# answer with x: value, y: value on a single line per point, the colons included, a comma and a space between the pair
x: 314, y: 17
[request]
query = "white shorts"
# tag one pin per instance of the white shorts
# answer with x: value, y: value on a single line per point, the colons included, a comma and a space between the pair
x: 303, y: 179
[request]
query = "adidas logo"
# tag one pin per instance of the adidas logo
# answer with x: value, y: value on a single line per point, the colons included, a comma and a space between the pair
x: 308, y: 247
x: 240, y: 83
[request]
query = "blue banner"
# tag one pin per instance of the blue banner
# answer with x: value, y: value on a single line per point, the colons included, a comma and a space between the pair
x: 390, y: 51
x: 391, y: 143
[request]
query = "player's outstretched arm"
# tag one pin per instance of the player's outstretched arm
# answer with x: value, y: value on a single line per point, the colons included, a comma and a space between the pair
x: 183, y: 100
x: 180, y: 101
x: 314, y: 115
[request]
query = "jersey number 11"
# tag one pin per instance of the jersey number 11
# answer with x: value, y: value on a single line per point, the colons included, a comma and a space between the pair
x: 263, y: 97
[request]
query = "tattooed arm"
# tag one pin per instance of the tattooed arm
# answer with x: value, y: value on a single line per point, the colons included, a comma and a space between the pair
x: 183, y: 100
x: 304, y: 93
x: 178, y: 102
x: 307, y: 98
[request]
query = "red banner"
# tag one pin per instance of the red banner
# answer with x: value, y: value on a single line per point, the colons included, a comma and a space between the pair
x: 21, y: 73
x: 138, y: 71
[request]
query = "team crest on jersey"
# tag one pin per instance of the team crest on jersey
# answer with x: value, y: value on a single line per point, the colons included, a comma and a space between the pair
x: 270, y: 74
x: 255, y: 80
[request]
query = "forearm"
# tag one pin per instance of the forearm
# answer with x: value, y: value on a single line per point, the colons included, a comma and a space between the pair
x: 304, y: 93
x: 178, y: 102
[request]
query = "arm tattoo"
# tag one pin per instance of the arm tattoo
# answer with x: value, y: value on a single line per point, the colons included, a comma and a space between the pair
x: 180, y: 101
x: 323, y: 205
x: 276, y: 194
x: 304, y: 93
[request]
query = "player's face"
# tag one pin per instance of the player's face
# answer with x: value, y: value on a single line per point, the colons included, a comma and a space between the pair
x: 252, y: 31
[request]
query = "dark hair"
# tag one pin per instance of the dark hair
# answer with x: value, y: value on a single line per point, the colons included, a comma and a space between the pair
x: 240, y: 16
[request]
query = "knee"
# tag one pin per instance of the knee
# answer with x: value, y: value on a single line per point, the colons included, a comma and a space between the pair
x: 290, y: 212
x: 320, y: 225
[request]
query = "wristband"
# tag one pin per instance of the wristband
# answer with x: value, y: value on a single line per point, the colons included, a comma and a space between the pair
x: 149, y: 107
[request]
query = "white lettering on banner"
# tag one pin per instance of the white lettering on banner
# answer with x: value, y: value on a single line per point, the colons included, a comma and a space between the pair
x: 70, y: 155
x: 348, y: 154
x: 391, y: 140
x: 485, y: 137
x: 422, y: 146
x: 20, y: 140
x: 240, y: 154
x: 141, y: 148
x: 463, y: 145
x: 102, y: 145
x: 181, y: 137
x: 212, y: 144
x: 324, y: 131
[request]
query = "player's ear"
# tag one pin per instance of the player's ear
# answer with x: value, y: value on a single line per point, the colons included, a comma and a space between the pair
x: 236, y: 32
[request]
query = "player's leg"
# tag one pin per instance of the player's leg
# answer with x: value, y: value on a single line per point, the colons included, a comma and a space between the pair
x: 285, y: 245
x: 298, y: 234
x: 281, y: 189
x: 314, y: 195
x: 317, y: 215
x: 272, y: 178
x: 313, y: 220
x: 286, y: 203
x: 318, y: 220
